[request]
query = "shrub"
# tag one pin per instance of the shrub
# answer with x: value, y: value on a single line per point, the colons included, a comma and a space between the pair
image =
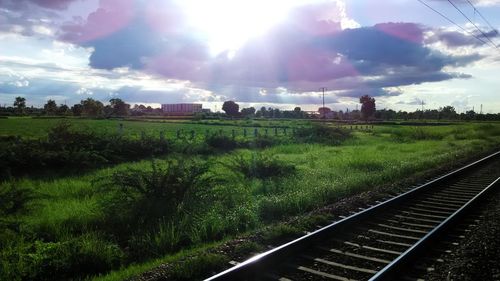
x: 221, y: 142
x: 79, y: 257
x: 146, y: 195
x: 260, y: 166
x: 319, y: 133
x: 263, y: 142
x: 13, y: 199
x: 65, y: 148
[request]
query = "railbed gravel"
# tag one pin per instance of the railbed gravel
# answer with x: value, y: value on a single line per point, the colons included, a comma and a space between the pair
x: 477, y: 257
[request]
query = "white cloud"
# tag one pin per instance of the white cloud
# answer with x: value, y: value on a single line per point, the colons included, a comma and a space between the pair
x: 42, y: 30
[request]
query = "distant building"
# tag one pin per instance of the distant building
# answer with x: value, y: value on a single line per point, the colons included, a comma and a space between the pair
x: 181, y: 109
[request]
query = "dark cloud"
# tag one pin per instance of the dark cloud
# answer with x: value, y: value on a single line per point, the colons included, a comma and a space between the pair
x: 23, y: 4
x: 458, y: 39
x: 53, y: 4
x: 374, y: 92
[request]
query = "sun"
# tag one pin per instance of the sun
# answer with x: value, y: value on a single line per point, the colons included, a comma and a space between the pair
x: 228, y: 24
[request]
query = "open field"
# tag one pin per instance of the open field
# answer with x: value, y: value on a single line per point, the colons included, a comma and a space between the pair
x: 122, y: 217
x: 38, y: 127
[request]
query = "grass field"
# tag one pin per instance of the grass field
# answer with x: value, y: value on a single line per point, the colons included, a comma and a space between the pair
x: 107, y: 219
x: 35, y: 128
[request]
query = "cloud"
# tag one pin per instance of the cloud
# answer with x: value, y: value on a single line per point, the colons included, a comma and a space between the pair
x: 48, y: 4
x: 480, y: 3
x: 318, y: 46
x: 456, y: 39
x: 300, y: 54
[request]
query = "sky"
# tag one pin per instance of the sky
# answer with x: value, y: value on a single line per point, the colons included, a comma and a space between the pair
x: 276, y: 53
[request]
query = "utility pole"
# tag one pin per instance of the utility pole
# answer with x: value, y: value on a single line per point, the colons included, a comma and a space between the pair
x: 324, y: 113
x: 481, y: 109
x: 323, y: 89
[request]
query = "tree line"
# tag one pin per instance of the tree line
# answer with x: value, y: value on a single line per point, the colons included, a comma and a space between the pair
x: 118, y: 108
x: 88, y: 107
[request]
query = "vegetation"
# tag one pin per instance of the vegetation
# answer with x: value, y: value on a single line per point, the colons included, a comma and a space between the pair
x: 231, y: 108
x: 367, y: 107
x: 128, y: 217
x: 119, y: 108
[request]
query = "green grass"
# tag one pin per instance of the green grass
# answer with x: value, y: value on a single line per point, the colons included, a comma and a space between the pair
x: 70, y: 209
x: 36, y: 128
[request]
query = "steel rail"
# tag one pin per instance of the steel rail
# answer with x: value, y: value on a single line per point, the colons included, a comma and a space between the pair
x: 397, y: 267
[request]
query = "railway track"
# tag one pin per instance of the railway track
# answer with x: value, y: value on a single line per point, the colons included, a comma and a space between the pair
x: 383, y: 241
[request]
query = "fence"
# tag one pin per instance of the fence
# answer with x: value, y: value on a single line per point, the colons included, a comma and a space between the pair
x: 234, y: 133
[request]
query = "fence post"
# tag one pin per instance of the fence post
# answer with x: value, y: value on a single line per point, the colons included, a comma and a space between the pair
x: 244, y: 132
x: 120, y: 129
x: 265, y: 131
x: 233, y: 134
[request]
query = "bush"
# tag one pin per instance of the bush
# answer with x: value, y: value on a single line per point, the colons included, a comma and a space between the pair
x: 319, y: 133
x: 260, y: 166
x: 69, y: 149
x: 221, y: 142
x: 142, y: 196
x: 263, y: 142
x: 13, y: 199
x: 79, y: 257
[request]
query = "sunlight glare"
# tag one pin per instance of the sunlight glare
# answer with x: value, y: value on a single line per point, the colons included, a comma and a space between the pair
x: 229, y: 23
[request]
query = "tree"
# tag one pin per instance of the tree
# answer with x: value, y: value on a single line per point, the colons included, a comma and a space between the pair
x: 367, y: 106
x: 324, y: 111
x: 77, y: 109
x: 248, y: 111
x: 92, y: 107
x: 448, y: 112
x: 20, y: 105
x: 63, y: 110
x: 262, y: 112
x: 231, y: 108
x: 120, y: 108
x: 50, y: 107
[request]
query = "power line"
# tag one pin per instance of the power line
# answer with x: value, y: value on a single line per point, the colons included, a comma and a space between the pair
x: 479, y: 13
x: 448, y: 19
x: 486, y: 36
